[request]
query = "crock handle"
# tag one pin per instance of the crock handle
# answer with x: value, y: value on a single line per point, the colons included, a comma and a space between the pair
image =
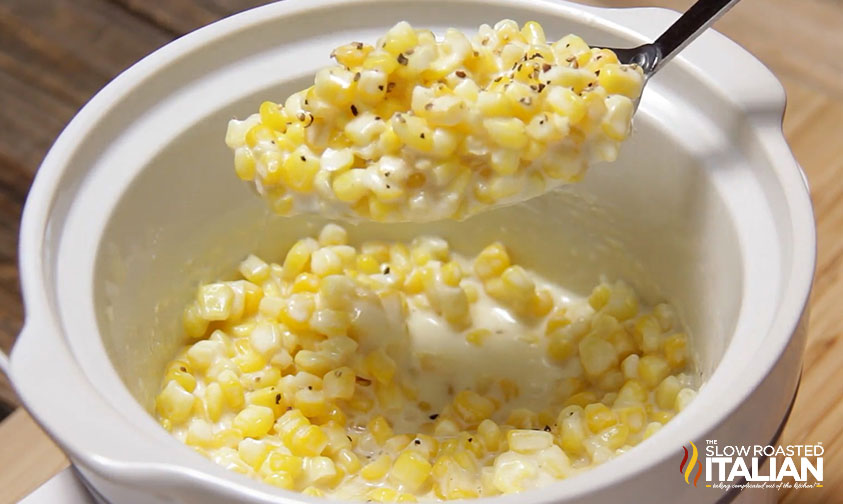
x: 4, y: 363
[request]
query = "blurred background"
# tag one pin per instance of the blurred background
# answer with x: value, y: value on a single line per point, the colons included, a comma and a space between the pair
x: 55, y: 54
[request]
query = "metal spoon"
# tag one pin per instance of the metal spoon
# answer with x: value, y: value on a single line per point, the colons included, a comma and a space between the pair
x: 651, y: 57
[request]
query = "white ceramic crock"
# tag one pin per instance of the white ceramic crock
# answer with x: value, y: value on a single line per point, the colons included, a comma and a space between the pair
x: 136, y: 203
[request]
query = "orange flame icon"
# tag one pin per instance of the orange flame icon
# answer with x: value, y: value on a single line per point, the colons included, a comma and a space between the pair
x: 687, y: 470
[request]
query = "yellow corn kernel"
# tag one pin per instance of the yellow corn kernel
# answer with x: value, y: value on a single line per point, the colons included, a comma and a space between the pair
x: 194, y: 324
x: 567, y: 103
x: 336, y: 292
x: 622, y: 303
x: 174, y: 403
x: 666, y: 316
x: 379, y: 428
x: 581, y: 399
x: 647, y: 333
x: 533, y: 32
x: 380, y: 60
x: 413, y: 132
x: 325, y: 261
x: 310, y: 402
x: 282, y: 205
x: 270, y: 173
x: 493, y: 104
x: 428, y: 446
x: 379, y: 211
x: 335, y: 85
x: 632, y: 392
x: 339, y: 383
x: 652, y: 369
x: 660, y: 416
x: 676, y: 350
x: 213, y: 401
x: 615, y: 436
x: 244, y: 164
x: 351, y: 55
x: 321, y: 471
x: 541, y: 302
x: 272, y: 117
x: 313, y: 492
x: 297, y: 310
x: 633, y: 416
x: 200, y: 434
x: 381, y: 366
x: 367, y: 264
x: 523, y: 418
x: 232, y: 389
x: 215, y: 301
x: 306, y: 282
x: 249, y: 361
x: 299, y: 169
x: 666, y: 392
x: 259, y: 133
x: 316, y: 363
x: 384, y: 494
x: 683, y: 398
x: 420, y: 255
x: 477, y: 336
x: 509, y: 133
x: 528, y: 441
x: 280, y: 480
x: 180, y: 373
x: 465, y: 459
x: 622, y: 80
x: 227, y: 438
x: 253, y: 452
x: 308, y: 441
x: 492, y: 261
x: 571, y: 430
x: 400, y: 38
x: 377, y: 468
x: 410, y: 470
x: 288, y: 423
x: 512, y: 472
x: 397, y: 443
x: 599, y: 296
x: 298, y: 257
x: 561, y: 345
x: 617, y: 121
x: 347, y: 461
x: 598, y: 416
x: 473, y: 408
x: 597, y: 355
x: 417, y: 280
x: 271, y: 397
x: 254, y: 421
x: 445, y: 427
x: 277, y: 461
x: 350, y: 186
x: 334, y: 414
x: 490, y: 434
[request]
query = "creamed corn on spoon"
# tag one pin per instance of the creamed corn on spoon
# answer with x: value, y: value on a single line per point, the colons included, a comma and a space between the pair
x: 416, y: 128
x: 651, y: 57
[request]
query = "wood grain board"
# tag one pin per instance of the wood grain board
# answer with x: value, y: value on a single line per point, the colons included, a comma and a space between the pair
x: 55, y: 54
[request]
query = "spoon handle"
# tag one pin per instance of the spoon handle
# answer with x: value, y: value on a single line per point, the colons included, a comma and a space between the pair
x: 694, y: 21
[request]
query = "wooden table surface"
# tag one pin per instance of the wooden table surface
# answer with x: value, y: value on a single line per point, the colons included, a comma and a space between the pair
x: 55, y: 54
